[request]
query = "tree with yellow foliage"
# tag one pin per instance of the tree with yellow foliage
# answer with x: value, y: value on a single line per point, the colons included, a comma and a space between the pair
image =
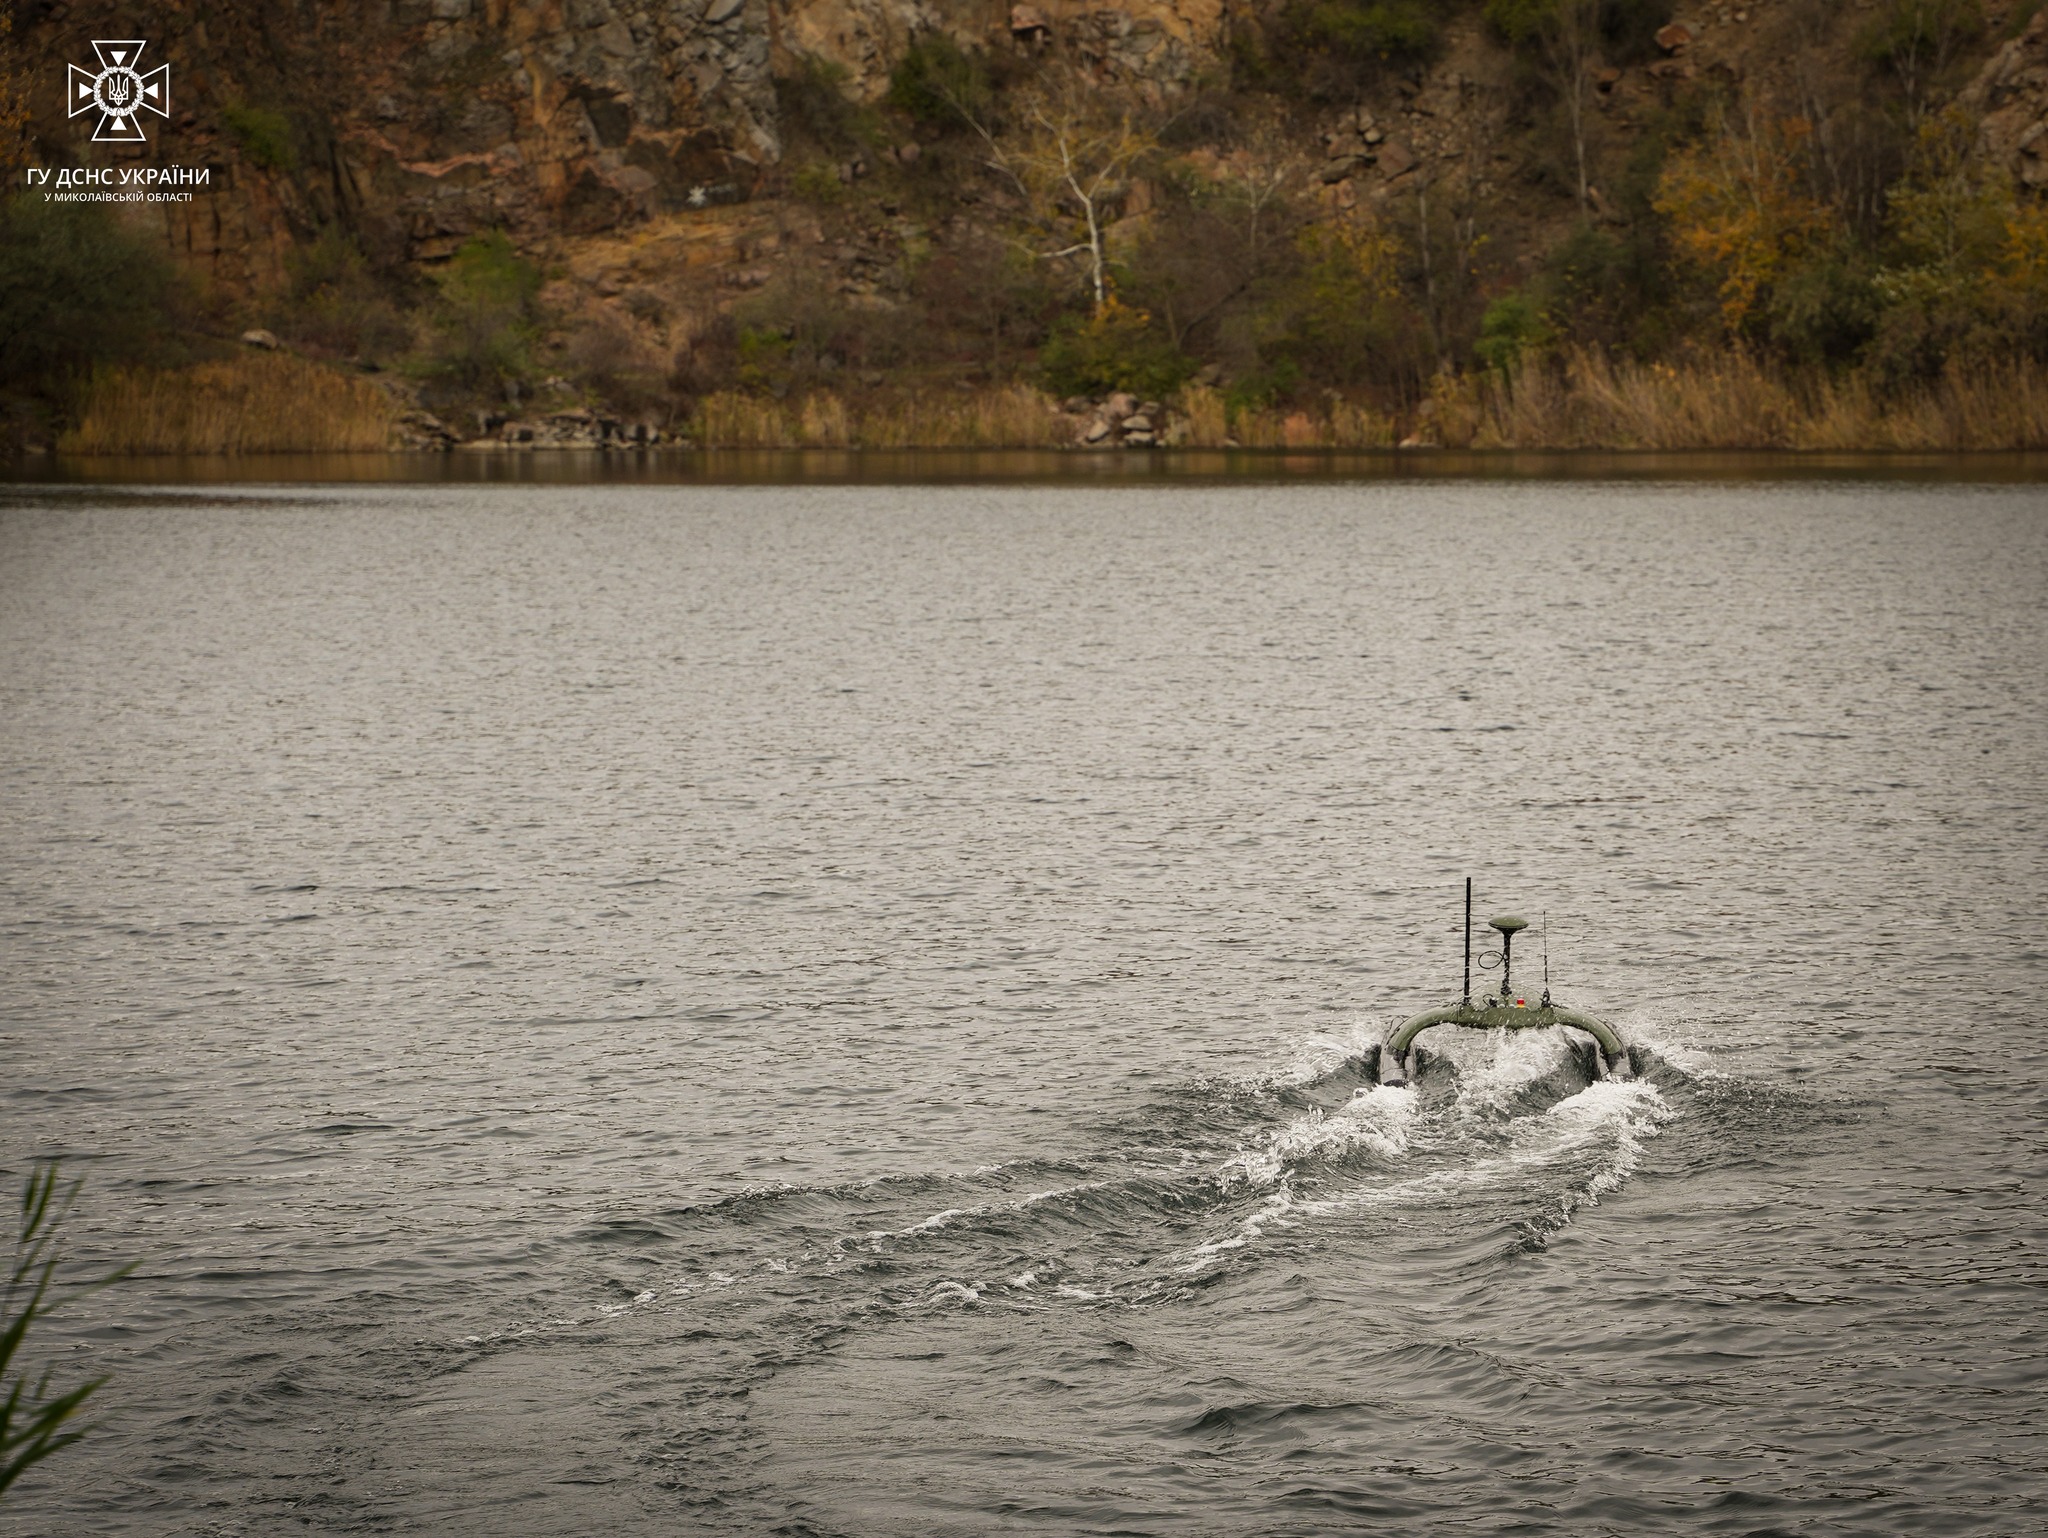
x: 1070, y: 152
x: 1967, y: 275
x: 1738, y: 209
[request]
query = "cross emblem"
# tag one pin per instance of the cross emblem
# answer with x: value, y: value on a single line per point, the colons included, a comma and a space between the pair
x: 120, y: 93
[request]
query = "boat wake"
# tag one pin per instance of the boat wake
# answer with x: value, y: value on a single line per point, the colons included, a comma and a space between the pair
x: 1198, y: 1182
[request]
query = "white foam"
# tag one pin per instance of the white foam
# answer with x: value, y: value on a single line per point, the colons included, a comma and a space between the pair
x: 936, y: 1220
x: 946, y: 1219
x: 1621, y: 1114
x: 1376, y: 1119
x: 1494, y: 1066
x: 1318, y: 1056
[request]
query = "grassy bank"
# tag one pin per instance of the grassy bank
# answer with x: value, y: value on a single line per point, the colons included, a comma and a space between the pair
x: 1580, y: 401
x: 261, y: 403
x: 271, y: 403
x: 1732, y: 401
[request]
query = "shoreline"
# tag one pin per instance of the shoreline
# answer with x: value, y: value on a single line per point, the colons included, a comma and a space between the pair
x: 1025, y: 466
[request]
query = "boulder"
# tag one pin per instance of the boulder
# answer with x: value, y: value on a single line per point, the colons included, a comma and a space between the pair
x: 1675, y: 38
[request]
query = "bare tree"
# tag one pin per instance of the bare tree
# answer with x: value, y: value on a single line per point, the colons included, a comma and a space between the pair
x: 1571, y: 41
x: 1071, y: 156
x: 1920, y: 40
x: 1069, y: 151
x: 1565, y: 35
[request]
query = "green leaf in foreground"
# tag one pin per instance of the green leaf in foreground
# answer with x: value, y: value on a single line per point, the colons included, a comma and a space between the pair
x: 34, y: 1421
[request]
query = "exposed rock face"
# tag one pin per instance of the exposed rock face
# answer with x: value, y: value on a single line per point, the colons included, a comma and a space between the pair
x: 420, y: 122
x: 1155, y: 43
x: 2011, y: 92
x: 579, y: 115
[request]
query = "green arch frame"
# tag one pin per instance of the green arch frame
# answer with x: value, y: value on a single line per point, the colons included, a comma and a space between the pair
x: 1513, y: 1019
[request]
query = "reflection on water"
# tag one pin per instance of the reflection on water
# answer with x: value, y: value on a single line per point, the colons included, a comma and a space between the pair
x: 941, y: 466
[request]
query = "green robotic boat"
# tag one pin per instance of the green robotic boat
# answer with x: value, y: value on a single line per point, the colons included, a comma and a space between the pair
x: 1394, y: 1061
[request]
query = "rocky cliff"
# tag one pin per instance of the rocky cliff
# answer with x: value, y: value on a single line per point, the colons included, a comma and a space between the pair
x: 415, y: 123
x: 697, y: 177
x: 418, y: 122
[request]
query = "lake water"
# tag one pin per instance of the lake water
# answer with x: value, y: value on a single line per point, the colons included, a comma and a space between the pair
x: 837, y: 1010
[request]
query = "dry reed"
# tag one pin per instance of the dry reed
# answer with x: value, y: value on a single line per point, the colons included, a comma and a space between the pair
x: 1008, y: 416
x: 1204, y: 419
x: 1334, y: 424
x: 731, y: 419
x: 1733, y: 401
x: 262, y: 403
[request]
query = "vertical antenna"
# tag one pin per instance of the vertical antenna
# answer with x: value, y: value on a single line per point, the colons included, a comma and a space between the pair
x: 1468, y: 942
x: 1546, y: 961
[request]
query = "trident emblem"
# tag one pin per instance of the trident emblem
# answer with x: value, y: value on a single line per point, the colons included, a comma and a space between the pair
x: 120, y: 92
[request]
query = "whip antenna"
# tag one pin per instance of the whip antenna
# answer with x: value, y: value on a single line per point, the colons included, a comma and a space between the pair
x: 1468, y: 940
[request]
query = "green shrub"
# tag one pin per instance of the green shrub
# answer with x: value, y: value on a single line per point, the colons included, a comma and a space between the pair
x: 817, y: 112
x: 1517, y: 21
x: 1116, y: 348
x: 1381, y: 31
x: 817, y: 183
x: 336, y: 303
x: 1331, y: 49
x: 487, y: 317
x: 1261, y: 390
x: 1514, y: 328
x: 265, y: 136
x: 1826, y: 309
x: 78, y: 290
x: 765, y: 354
x: 937, y: 82
x: 1626, y: 29
x: 1914, y: 33
x: 1351, y: 317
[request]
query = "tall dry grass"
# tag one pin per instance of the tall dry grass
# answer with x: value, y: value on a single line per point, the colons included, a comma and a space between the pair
x: 1203, y: 420
x: 257, y: 404
x: 1584, y: 400
x: 1006, y: 416
x: 1734, y: 401
x: 1000, y: 417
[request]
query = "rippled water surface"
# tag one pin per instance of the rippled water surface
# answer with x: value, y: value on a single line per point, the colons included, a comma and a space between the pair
x: 642, y: 1010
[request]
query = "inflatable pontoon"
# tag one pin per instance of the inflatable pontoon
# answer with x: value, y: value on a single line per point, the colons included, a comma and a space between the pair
x: 1504, y: 1009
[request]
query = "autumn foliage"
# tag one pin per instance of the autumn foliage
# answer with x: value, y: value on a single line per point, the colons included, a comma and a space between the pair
x: 1739, y: 211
